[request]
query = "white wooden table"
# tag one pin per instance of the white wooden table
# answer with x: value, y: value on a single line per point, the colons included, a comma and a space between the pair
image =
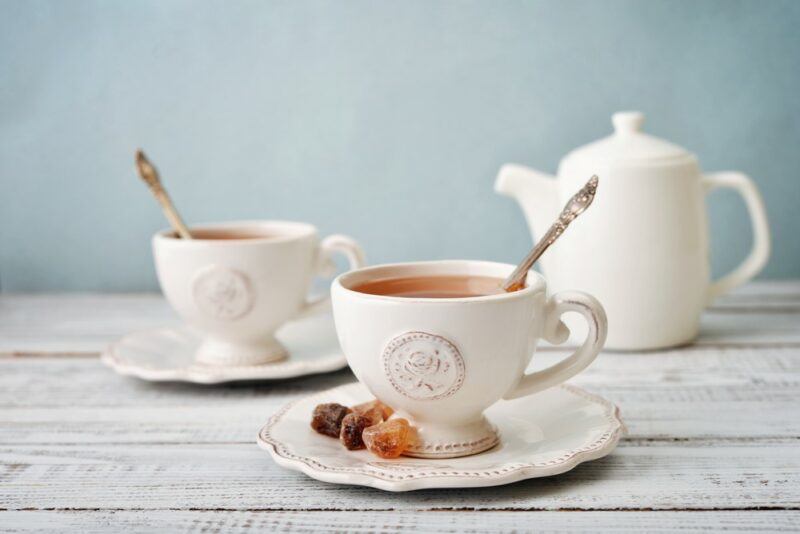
x: 714, y: 437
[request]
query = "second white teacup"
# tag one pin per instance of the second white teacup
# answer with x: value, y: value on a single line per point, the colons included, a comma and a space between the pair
x: 441, y: 361
x: 238, y: 282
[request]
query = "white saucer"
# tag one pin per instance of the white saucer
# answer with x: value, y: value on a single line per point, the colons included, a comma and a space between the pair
x: 542, y: 435
x: 167, y: 354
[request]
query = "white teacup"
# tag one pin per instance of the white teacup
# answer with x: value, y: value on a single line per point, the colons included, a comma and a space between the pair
x: 440, y: 362
x: 238, y: 282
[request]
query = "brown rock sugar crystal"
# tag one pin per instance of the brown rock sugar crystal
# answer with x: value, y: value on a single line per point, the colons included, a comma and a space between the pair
x: 327, y: 418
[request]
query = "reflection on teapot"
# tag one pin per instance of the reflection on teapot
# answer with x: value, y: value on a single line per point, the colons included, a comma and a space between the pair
x: 642, y: 249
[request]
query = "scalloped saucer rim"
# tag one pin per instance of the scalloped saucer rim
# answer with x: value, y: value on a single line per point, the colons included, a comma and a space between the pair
x: 520, y: 455
x: 166, y: 354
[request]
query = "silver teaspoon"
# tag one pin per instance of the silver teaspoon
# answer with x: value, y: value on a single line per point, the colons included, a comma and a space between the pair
x: 576, y: 205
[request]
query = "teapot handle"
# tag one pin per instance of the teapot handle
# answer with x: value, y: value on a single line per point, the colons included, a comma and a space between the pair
x: 759, y: 254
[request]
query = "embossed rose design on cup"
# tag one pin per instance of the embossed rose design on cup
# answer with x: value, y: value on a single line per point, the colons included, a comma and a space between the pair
x: 440, y: 362
x: 222, y: 292
x: 423, y: 366
x: 238, y: 282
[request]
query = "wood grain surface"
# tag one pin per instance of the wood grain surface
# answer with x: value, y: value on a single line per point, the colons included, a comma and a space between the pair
x: 714, y: 439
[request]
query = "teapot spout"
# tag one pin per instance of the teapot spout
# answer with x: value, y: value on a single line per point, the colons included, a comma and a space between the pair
x: 536, y: 193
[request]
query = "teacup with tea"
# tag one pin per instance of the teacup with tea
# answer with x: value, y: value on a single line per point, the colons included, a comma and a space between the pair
x: 238, y: 282
x: 442, y: 341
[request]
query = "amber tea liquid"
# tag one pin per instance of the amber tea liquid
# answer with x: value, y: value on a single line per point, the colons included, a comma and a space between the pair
x: 225, y: 234
x: 441, y: 287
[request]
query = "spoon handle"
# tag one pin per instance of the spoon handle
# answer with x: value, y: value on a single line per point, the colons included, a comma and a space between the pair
x: 576, y: 205
x: 172, y: 214
x: 149, y: 175
x: 517, y: 278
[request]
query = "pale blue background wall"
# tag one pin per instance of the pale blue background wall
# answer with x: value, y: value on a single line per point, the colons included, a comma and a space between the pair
x: 383, y: 120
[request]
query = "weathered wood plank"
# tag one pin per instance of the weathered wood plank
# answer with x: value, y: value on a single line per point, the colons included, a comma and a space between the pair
x: 749, y: 329
x: 75, y: 323
x: 209, y: 424
x: 682, y: 394
x: 763, y: 293
x: 637, y: 476
x: 398, y: 521
x: 49, y: 381
x: 760, y: 313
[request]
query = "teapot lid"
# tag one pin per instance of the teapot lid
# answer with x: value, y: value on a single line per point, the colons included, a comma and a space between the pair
x: 628, y: 145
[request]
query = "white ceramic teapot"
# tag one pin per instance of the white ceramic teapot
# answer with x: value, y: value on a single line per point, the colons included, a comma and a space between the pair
x: 642, y: 248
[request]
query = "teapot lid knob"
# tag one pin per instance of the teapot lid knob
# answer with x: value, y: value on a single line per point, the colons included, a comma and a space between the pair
x: 626, y: 122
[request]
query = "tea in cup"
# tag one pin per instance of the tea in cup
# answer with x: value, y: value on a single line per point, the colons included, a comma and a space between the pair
x: 238, y: 282
x: 440, y: 342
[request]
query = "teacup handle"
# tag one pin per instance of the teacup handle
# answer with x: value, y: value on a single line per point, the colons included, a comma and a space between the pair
x: 556, y: 332
x: 326, y: 267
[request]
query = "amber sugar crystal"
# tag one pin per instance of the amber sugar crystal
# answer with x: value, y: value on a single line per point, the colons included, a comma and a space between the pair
x: 388, y: 439
x: 327, y: 418
x: 365, y: 407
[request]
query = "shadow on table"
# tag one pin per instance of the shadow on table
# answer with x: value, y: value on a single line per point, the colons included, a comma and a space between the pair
x: 519, y: 495
x: 288, y: 386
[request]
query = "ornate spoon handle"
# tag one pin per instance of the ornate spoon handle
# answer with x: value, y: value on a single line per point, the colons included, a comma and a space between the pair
x: 576, y: 205
x: 149, y: 174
